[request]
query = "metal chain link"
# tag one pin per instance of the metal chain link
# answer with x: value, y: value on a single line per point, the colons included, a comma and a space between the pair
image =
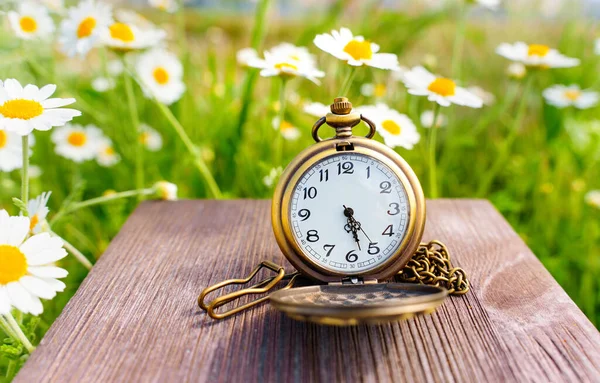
x: 431, y: 266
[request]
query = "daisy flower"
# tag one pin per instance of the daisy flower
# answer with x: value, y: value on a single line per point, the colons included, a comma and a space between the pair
x: 316, y: 109
x: 31, y: 21
x: 516, y: 71
x: 102, y: 84
x: 28, y: 272
x: 76, y: 142
x: 161, y: 76
x: 245, y: 56
x: 24, y: 109
x: 37, y: 210
x: 288, y: 60
x: 396, y: 129
x: 444, y: 91
x: 150, y: 138
x: 164, y: 5
x: 80, y: 31
x: 428, y: 116
x: 562, y: 96
x: 287, y: 130
x: 11, y: 151
x: 126, y: 37
x: 274, y: 174
x: 369, y: 90
x: 34, y: 171
x: 592, y: 198
x: 107, y: 156
x: 355, y: 50
x: 166, y: 190
x: 536, y: 55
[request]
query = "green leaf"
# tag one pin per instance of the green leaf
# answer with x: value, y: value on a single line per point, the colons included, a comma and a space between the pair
x: 21, y: 205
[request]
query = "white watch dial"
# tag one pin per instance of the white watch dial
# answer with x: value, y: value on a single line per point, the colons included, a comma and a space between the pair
x: 349, y: 213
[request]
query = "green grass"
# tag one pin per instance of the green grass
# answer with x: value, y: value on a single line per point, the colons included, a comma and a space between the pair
x: 539, y: 188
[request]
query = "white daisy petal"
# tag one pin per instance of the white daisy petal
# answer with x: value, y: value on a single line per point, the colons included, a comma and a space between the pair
x: 37, y: 287
x: 19, y: 297
x: 57, y: 285
x: 47, y: 271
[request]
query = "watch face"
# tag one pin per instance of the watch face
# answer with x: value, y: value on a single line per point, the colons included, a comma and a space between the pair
x: 349, y: 213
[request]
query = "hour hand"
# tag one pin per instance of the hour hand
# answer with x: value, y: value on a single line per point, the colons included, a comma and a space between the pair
x: 353, y: 226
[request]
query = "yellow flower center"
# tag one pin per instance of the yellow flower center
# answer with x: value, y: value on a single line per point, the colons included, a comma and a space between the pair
x: 14, y: 264
x: 3, y: 138
x: 391, y: 127
x: 20, y: 108
x: 285, y: 126
x: 77, y: 139
x: 121, y: 31
x: 144, y: 137
x: 572, y: 94
x: 109, y: 192
x: 109, y: 151
x: 379, y: 90
x: 161, y: 75
x: 442, y: 86
x: 359, y: 50
x: 286, y: 65
x: 28, y: 24
x: 86, y: 27
x: 34, y: 221
x: 538, y: 50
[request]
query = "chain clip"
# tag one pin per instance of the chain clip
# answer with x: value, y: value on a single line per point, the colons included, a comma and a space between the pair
x: 260, y: 288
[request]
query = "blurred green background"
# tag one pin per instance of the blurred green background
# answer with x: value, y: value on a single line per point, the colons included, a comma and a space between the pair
x: 540, y: 186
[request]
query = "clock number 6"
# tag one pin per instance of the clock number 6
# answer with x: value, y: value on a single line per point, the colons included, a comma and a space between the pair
x: 351, y: 257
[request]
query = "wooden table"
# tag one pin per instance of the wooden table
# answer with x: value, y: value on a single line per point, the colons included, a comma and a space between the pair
x: 135, y: 318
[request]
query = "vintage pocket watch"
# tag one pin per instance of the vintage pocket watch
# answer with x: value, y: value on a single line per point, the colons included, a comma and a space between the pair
x: 349, y: 213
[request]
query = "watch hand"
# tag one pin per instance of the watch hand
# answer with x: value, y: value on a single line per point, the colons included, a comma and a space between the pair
x: 349, y: 212
x: 353, y: 225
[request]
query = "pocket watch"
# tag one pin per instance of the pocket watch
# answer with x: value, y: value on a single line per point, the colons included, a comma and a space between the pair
x: 349, y: 214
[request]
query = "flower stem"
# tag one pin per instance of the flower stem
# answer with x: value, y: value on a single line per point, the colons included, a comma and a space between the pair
x: 258, y: 37
x: 504, y: 152
x: 347, y: 84
x: 100, y: 200
x: 7, y: 328
x: 133, y: 112
x: 75, y: 252
x: 25, y: 170
x: 433, y: 190
x: 280, y: 120
x: 459, y: 40
x: 20, y: 336
x: 198, y: 161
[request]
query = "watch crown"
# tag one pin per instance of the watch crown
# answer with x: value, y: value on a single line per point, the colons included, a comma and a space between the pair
x: 341, y: 106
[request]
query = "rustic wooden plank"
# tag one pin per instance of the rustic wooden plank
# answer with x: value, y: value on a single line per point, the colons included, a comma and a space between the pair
x: 134, y: 318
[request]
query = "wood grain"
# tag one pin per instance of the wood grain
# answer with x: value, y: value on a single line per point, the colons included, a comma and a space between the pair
x: 135, y: 318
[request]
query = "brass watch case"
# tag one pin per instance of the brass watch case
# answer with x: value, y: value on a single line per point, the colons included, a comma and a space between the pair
x: 280, y: 208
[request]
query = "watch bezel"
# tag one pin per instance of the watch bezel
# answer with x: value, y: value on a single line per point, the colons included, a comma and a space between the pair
x: 280, y: 209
